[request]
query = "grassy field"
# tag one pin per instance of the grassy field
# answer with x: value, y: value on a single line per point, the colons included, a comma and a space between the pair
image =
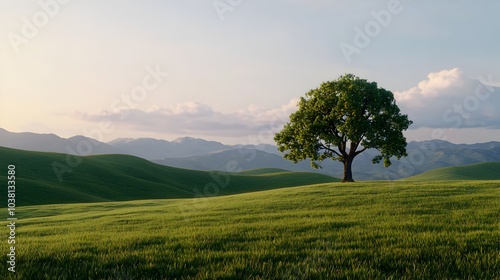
x: 122, y: 178
x: 479, y: 171
x: 365, y: 230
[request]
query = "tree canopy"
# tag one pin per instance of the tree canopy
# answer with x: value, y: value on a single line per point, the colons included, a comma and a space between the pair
x: 341, y: 119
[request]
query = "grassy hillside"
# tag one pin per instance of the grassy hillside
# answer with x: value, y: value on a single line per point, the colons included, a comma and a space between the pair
x: 264, y: 171
x: 383, y: 230
x: 479, y: 171
x: 122, y: 177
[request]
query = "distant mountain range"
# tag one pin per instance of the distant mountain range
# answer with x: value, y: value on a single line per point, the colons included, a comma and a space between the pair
x: 147, y: 148
x: 422, y: 156
x: 53, y: 143
x: 154, y: 149
x: 200, y: 154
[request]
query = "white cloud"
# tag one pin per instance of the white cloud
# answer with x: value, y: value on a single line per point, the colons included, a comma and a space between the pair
x: 449, y: 99
x: 197, y: 118
x: 437, y: 85
x: 441, y: 80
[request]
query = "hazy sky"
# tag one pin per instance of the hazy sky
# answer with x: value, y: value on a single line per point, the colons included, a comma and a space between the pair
x: 232, y: 70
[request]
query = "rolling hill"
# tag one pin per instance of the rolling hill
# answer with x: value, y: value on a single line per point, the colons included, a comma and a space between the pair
x: 264, y: 171
x: 122, y: 177
x: 478, y: 171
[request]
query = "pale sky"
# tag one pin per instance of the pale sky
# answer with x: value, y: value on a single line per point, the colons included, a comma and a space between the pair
x: 232, y: 70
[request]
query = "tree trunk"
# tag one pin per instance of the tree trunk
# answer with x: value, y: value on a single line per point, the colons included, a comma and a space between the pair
x: 347, y: 170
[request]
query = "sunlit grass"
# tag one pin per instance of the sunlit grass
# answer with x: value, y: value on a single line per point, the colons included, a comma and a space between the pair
x: 370, y: 230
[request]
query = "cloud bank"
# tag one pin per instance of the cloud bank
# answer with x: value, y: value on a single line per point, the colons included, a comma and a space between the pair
x: 198, y: 118
x: 445, y: 99
x: 449, y: 99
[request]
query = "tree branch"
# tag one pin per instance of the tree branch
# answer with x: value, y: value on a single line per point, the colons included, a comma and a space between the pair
x: 360, y: 151
x: 331, y: 150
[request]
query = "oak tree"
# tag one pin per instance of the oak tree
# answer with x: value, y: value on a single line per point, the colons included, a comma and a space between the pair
x: 341, y: 119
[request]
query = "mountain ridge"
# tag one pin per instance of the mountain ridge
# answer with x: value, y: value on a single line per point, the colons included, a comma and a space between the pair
x: 201, y: 154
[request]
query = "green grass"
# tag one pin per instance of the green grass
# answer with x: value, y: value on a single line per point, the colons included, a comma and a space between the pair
x: 122, y: 178
x: 368, y: 230
x: 479, y: 171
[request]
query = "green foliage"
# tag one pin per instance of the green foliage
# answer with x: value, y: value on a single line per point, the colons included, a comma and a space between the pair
x: 339, y: 117
x: 122, y: 177
x: 370, y: 230
x: 478, y: 171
